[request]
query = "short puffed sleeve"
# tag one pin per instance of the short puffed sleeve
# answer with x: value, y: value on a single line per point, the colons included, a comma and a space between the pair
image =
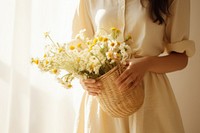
x: 82, y: 19
x: 177, y: 28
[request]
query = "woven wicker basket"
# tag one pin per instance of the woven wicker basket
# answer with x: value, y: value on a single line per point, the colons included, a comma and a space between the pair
x: 115, y: 102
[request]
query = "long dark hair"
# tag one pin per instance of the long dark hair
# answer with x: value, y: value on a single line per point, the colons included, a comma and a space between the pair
x: 158, y: 9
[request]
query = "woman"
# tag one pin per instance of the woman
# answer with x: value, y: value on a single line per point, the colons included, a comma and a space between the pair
x: 155, y: 26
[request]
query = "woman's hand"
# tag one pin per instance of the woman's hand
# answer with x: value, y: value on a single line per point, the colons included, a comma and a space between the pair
x: 92, y: 86
x: 137, y: 67
x: 134, y: 73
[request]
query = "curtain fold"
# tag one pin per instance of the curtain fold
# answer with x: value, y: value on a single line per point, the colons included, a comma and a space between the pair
x: 20, y: 84
x: 32, y: 101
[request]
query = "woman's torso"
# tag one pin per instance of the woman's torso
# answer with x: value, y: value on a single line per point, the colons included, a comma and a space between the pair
x: 132, y: 19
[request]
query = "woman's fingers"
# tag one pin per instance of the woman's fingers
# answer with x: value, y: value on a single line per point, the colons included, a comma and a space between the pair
x: 138, y: 81
x: 127, y: 83
x: 123, y: 77
x: 93, y: 90
x: 91, y: 83
x: 92, y: 86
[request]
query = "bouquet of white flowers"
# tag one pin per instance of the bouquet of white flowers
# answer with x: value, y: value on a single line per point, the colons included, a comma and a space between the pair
x: 101, y: 58
x: 84, y: 57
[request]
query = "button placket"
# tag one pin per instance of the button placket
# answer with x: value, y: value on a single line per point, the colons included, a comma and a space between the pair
x: 121, y: 18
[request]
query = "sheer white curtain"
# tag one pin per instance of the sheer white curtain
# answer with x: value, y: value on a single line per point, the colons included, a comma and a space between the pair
x: 31, y: 101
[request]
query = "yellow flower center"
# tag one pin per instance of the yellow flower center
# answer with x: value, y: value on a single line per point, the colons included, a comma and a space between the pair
x: 54, y: 71
x: 45, y: 55
x: 128, y: 38
x: 95, y: 40
x: 71, y: 47
x: 36, y: 61
x: 112, y: 44
x: 88, y: 43
x: 60, y: 50
x: 100, y: 39
x: 92, y: 67
x: 46, y: 62
x: 91, y: 46
x: 105, y: 39
x: 110, y: 55
x: 118, y: 31
x: 79, y: 45
x: 113, y: 28
x: 69, y: 86
x: 46, y: 34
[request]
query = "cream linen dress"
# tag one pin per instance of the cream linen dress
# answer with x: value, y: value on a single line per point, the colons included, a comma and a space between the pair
x: 159, y: 113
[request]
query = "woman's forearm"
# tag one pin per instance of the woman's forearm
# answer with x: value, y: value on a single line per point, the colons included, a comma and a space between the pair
x: 169, y: 63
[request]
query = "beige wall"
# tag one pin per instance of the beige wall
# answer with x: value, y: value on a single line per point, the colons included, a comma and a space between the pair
x: 186, y: 83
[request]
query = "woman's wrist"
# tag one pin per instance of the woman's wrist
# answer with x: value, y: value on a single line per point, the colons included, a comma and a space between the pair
x: 165, y: 64
x: 148, y: 62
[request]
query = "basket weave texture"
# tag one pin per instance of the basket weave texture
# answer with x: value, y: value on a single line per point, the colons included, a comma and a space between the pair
x: 116, y: 102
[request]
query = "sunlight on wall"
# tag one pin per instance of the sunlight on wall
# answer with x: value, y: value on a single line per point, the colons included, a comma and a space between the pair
x: 54, y: 17
x: 6, y: 26
x: 186, y: 83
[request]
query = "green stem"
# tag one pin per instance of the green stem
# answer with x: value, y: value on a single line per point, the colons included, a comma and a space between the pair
x: 97, y: 58
x: 52, y: 40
